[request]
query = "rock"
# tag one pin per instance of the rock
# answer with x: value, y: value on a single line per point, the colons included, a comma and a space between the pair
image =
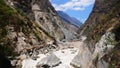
x: 82, y: 59
x: 45, y: 16
x: 75, y: 62
x: 19, y: 64
x: 86, y: 59
x: 102, y: 64
x: 22, y: 57
x: 105, y: 45
x: 49, y: 61
x: 13, y: 63
x: 21, y: 43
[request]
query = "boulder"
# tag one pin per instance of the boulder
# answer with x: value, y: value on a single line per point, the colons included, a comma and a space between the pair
x: 13, y: 63
x: 76, y: 62
x: 82, y: 59
x: 49, y: 61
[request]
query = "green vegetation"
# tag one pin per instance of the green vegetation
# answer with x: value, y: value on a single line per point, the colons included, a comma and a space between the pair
x: 6, y: 16
x: 107, y: 22
x: 38, y: 35
x: 7, y: 50
x: 103, y: 23
x: 47, y: 33
x: 20, y: 22
x: 114, y: 11
x: 116, y: 30
x: 114, y: 56
x: 111, y: 66
x: 110, y: 41
x: 97, y: 38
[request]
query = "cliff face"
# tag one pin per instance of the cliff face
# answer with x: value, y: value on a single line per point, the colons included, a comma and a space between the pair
x: 30, y: 27
x: 19, y: 34
x: 42, y: 12
x: 105, y: 15
x: 104, y: 18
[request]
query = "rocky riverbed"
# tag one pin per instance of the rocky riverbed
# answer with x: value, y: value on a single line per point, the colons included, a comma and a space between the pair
x: 58, y: 59
x: 73, y: 55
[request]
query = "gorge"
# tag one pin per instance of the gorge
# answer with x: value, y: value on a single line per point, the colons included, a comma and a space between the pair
x: 33, y: 35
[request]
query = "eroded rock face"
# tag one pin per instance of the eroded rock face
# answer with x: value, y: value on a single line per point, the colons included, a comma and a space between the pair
x: 34, y: 28
x: 105, y: 14
x: 21, y: 37
x: 105, y: 45
x: 86, y: 59
x: 42, y: 12
x: 104, y: 18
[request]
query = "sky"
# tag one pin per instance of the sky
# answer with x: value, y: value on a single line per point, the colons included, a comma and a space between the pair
x: 79, y: 9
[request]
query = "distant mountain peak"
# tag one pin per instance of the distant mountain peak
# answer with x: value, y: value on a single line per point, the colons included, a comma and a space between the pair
x: 68, y: 19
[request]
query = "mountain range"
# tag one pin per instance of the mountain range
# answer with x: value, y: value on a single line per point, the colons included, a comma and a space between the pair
x: 68, y: 19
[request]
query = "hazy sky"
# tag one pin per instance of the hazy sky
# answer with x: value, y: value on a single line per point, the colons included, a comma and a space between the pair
x: 79, y: 9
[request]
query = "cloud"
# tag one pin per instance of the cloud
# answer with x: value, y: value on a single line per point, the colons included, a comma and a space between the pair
x: 74, y: 5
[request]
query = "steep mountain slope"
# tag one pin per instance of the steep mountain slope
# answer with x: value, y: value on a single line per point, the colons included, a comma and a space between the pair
x: 104, y: 18
x: 44, y: 14
x: 101, y: 19
x: 68, y: 19
x: 30, y: 27
x: 20, y: 36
